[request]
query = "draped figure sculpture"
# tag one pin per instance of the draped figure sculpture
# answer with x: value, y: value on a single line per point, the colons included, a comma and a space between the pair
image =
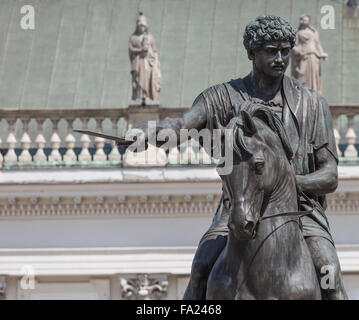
x: 145, y: 65
x: 306, y: 55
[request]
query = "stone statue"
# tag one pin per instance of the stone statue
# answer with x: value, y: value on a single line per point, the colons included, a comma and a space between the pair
x: 306, y: 55
x: 309, y: 151
x: 145, y: 66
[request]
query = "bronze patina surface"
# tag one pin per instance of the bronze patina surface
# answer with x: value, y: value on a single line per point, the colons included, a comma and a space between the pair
x: 307, y: 122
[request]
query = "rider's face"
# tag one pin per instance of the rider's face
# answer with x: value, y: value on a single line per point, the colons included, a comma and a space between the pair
x: 272, y: 59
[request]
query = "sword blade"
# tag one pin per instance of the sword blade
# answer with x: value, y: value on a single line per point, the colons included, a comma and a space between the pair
x: 120, y: 141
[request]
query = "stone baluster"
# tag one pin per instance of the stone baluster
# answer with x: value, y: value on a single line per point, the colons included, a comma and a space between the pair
x: 11, y: 143
x: 40, y: 140
x: 155, y: 157
x: 152, y: 157
x: 183, y: 154
x: 195, y: 148
x: 70, y: 140
x: 351, y: 137
x: 173, y: 156
x: 25, y: 155
x: 204, y: 157
x: 85, y: 141
x: 188, y: 155
x: 55, y: 143
x: 336, y: 134
x: 114, y: 154
x: 100, y: 143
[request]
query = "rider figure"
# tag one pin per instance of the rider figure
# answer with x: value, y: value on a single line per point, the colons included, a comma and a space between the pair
x: 308, y: 124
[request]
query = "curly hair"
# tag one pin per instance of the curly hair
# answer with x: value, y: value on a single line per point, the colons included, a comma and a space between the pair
x: 266, y: 29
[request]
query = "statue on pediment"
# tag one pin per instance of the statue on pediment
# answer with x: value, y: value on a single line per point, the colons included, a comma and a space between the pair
x: 145, y: 65
x: 306, y: 55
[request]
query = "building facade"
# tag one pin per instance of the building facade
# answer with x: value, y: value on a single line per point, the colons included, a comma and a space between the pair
x: 80, y: 219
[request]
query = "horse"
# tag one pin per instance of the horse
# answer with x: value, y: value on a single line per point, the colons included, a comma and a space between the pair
x: 266, y: 256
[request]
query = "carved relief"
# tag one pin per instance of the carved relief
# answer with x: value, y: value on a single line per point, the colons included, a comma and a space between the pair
x: 166, y: 205
x: 143, y: 287
x: 109, y: 205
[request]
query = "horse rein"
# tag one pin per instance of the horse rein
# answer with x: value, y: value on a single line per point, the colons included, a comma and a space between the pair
x: 288, y: 214
x: 294, y: 213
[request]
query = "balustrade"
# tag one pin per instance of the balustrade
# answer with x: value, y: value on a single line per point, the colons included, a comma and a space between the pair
x: 46, y: 144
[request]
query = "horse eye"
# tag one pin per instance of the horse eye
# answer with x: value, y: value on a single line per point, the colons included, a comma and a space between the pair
x: 259, y: 165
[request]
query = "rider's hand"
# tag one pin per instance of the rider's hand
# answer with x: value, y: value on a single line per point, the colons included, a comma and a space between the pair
x: 299, y: 182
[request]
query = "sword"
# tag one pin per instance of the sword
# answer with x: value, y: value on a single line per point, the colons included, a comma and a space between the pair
x: 119, y: 141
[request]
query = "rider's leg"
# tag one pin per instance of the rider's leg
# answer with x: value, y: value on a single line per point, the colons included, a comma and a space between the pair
x: 222, y: 281
x: 327, y: 266
x: 204, y: 259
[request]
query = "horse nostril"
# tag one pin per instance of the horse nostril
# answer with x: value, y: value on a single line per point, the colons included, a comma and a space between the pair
x: 227, y: 204
x: 249, y: 227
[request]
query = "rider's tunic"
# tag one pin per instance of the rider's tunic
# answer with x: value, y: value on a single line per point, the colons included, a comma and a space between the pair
x: 308, y: 124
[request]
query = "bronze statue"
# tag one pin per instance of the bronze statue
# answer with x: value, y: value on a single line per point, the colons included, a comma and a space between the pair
x: 306, y: 55
x: 266, y: 99
x: 145, y: 65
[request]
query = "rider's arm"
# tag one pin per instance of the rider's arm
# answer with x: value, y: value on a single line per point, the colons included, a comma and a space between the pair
x: 193, y: 118
x: 322, y: 181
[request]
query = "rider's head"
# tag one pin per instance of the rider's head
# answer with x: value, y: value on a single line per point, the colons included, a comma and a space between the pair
x: 269, y: 40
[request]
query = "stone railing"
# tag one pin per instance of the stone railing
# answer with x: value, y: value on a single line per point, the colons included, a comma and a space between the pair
x: 41, y: 137
x: 45, y: 138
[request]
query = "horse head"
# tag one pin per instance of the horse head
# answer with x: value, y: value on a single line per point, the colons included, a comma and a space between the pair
x: 261, y: 151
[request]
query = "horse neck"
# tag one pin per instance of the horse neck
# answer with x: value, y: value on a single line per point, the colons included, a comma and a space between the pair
x: 284, y: 196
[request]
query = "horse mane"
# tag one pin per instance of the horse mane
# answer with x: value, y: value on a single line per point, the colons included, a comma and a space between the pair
x: 268, y: 116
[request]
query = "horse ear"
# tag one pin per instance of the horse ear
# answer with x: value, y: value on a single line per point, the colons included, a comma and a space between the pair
x: 248, y: 123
